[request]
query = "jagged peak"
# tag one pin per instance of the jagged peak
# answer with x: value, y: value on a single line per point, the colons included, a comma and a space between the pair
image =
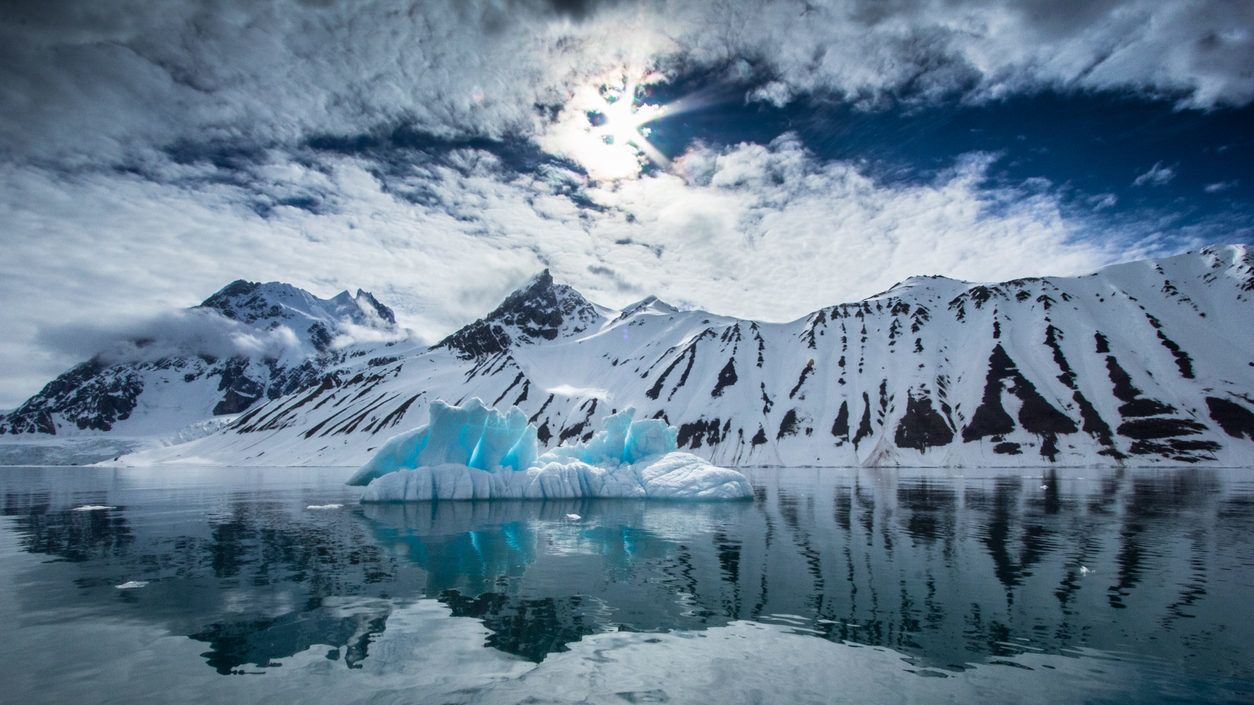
x: 539, y: 309
x: 367, y: 302
x: 540, y: 295
x: 250, y: 302
x: 542, y: 280
x: 222, y: 297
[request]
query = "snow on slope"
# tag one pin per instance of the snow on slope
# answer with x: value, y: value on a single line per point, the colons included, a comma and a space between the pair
x: 1141, y: 363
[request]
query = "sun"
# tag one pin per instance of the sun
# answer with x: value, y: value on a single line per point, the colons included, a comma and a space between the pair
x: 604, y: 126
x: 623, y: 119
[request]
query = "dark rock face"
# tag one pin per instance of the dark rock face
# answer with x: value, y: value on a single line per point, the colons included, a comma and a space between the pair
x: 864, y: 426
x: 840, y: 426
x: 922, y: 427
x: 239, y: 390
x: 726, y: 378
x: 689, y: 354
x: 320, y: 337
x: 801, y: 380
x: 788, y: 427
x: 1236, y: 420
x: 1091, y: 421
x: 93, y: 396
x: 693, y: 435
x: 539, y: 311
x: 759, y: 438
x: 1151, y: 424
x: 1036, y: 415
x: 226, y: 300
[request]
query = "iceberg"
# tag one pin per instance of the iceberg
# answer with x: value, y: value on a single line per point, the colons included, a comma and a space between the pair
x: 474, y: 452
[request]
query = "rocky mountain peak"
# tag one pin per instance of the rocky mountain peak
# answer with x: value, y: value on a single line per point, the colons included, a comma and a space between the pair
x: 367, y: 301
x: 274, y: 303
x: 540, y: 309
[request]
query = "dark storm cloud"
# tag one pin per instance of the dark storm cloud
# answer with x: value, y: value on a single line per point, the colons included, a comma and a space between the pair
x: 578, y: 9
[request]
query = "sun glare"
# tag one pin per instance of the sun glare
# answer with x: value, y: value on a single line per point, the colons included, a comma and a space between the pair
x: 605, y: 129
x: 622, y: 121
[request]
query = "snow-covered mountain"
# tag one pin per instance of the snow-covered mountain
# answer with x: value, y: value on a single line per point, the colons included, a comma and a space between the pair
x: 1150, y: 362
x: 247, y: 342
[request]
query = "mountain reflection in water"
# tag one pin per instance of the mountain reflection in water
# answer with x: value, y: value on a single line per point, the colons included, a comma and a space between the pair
x: 949, y: 569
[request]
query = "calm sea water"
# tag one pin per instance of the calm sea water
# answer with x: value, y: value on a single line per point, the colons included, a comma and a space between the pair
x: 832, y: 585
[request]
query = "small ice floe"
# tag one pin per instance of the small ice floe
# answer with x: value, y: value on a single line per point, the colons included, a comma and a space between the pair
x: 132, y: 585
x: 317, y: 507
x: 92, y: 508
x: 573, y: 517
x: 1085, y: 570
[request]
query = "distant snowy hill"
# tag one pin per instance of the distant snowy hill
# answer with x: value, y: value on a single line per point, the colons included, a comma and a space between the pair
x: 1144, y: 363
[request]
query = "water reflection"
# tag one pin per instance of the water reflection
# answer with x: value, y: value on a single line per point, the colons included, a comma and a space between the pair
x: 949, y: 570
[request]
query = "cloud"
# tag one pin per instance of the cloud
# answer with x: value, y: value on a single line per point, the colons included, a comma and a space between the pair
x: 801, y: 233
x: 869, y: 50
x: 1220, y: 186
x: 1158, y: 175
x: 175, y: 332
x: 84, y: 82
x: 349, y: 333
x: 1103, y: 201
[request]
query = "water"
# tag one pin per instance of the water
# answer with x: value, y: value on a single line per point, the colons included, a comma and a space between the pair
x: 832, y: 585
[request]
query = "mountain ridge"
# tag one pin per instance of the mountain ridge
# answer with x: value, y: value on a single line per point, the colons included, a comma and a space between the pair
x: 1142, y: 362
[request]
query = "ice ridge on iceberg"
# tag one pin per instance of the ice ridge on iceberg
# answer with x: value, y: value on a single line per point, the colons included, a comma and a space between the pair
x: 474, y: 452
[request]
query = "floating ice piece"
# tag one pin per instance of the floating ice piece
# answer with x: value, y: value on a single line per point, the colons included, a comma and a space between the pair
x: 92, y: 508
x: 1085, y: 570
x: 132, y: 585
x: 470, y: 435
x: 622, y: 440
x: 472, y: 452
x: 324, y: 506
x: 573, y: 517
x: 669, y: 476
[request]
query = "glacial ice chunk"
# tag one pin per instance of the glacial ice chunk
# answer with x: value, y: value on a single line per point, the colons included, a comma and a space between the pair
x: 473, y: 452
x: 668, y: 476
x: 622, y: 440
x: 401, y: 451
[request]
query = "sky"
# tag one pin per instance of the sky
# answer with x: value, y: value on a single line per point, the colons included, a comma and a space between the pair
x: 759, y: 159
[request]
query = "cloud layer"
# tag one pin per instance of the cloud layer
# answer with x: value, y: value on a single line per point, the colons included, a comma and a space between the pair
x: 86, y: 80
x: 177, y: 332
x: 764, y: 231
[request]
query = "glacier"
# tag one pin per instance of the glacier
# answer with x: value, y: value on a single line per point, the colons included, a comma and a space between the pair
x: 475, y: 452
